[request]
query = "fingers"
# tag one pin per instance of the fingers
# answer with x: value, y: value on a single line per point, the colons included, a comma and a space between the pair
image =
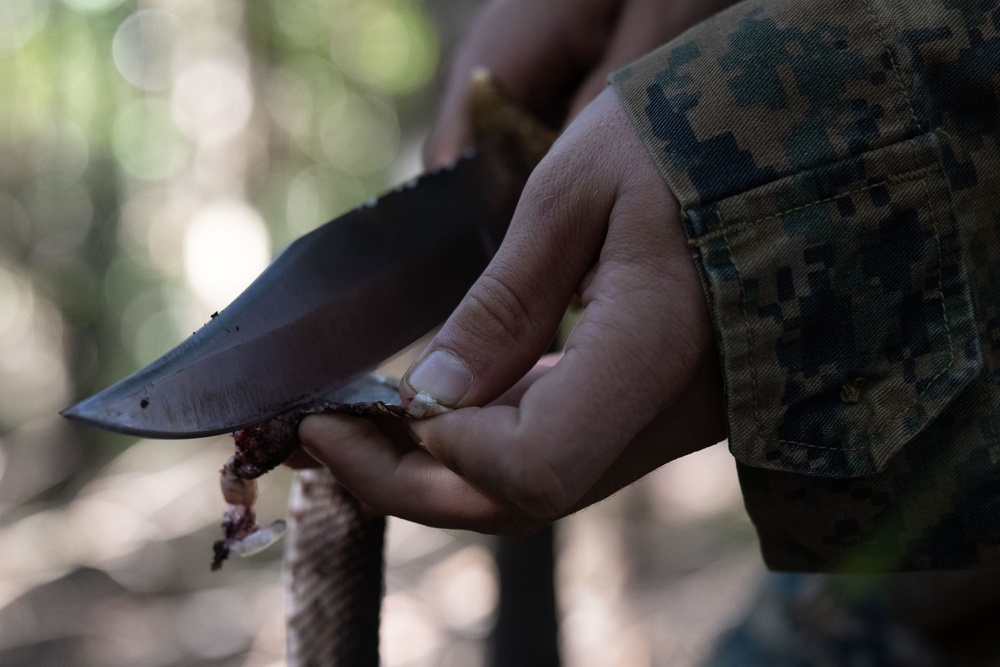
x: 300, y: 460
x: 391, y: 475
x: 636, y: 350
x: 511, y: 458
x: 572, y: 424
x: 396, y: 480
x: 535, y: 49
x: 383, y: 466
x: 570, y: 427
x: 513, y: 395
x: 511, y: 314
x: 695, y: 421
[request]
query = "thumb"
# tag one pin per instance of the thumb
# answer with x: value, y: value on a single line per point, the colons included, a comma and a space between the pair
x: 511, y: 314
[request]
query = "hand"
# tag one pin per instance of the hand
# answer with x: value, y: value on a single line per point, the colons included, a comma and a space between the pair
x: 554, y: 56
x: 637, y: 386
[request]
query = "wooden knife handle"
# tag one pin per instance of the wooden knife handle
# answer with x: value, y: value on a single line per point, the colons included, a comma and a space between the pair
x: 495, y: 115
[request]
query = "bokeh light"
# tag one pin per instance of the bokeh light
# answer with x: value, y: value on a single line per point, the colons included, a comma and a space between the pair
x: 83, y: 97
x: 213, y: 624
x: 306, y: 22
x: 151, y: 227
x: 62, y: 214
x: 289, y: 97
x: 466, y: 589
x: 3, y: 461
x: 153, y: 321
x: 63, y: 150
x: 143, y: 48
x: 16, y: 303
x: 225, y: 247
x: 20, y: 20
x: 26, y: 109
x: 317, y: 193
x: 146, y: 141
x: 33, y: 380
x: 92, y: 6
x: 395, y: 48
x: 409, y: 631
x: 212, y: 101
x: 360, y: 135
x: 16, y: 230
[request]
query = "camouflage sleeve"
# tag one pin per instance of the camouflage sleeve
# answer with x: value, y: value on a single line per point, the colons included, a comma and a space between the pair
x: 836, y: 162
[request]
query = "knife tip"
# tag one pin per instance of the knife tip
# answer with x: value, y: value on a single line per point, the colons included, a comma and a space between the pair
x: 82, y: 413
x: 76, y: 413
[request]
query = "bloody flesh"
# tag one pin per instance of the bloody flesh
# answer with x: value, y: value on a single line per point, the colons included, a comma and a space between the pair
x: 259, y: 449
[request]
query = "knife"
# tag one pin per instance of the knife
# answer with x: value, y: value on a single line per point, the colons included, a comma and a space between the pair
x: 341, y: 299
x: 332, y: 306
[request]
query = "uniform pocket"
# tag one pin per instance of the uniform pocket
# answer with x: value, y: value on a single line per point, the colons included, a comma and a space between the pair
x: 842, y: 309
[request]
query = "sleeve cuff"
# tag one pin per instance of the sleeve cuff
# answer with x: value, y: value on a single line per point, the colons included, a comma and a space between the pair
x: 819, y: 217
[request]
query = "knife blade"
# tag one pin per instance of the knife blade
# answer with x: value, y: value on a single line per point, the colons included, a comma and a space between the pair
x: 333, y: 305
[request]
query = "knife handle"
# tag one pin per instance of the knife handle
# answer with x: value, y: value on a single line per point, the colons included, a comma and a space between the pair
x: 496, y: 116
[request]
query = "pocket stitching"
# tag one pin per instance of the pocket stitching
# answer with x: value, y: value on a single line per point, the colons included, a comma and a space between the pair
x: 892, y: 179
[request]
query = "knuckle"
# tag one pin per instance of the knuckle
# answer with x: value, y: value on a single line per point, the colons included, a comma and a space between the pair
x: 550, y: 187
x: 496, y: 312
x: 538, y: 491
x: 562, y: 200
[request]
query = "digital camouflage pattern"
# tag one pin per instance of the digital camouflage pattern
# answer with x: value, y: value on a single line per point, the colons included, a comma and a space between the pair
x: 836, y: 162
x: 912, y: 619
x: 801, y: 620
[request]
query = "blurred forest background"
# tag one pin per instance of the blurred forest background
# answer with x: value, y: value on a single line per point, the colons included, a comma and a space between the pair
x: 153, y: 156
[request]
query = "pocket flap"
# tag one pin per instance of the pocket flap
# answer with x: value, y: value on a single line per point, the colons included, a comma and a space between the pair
x: 844, y: 317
